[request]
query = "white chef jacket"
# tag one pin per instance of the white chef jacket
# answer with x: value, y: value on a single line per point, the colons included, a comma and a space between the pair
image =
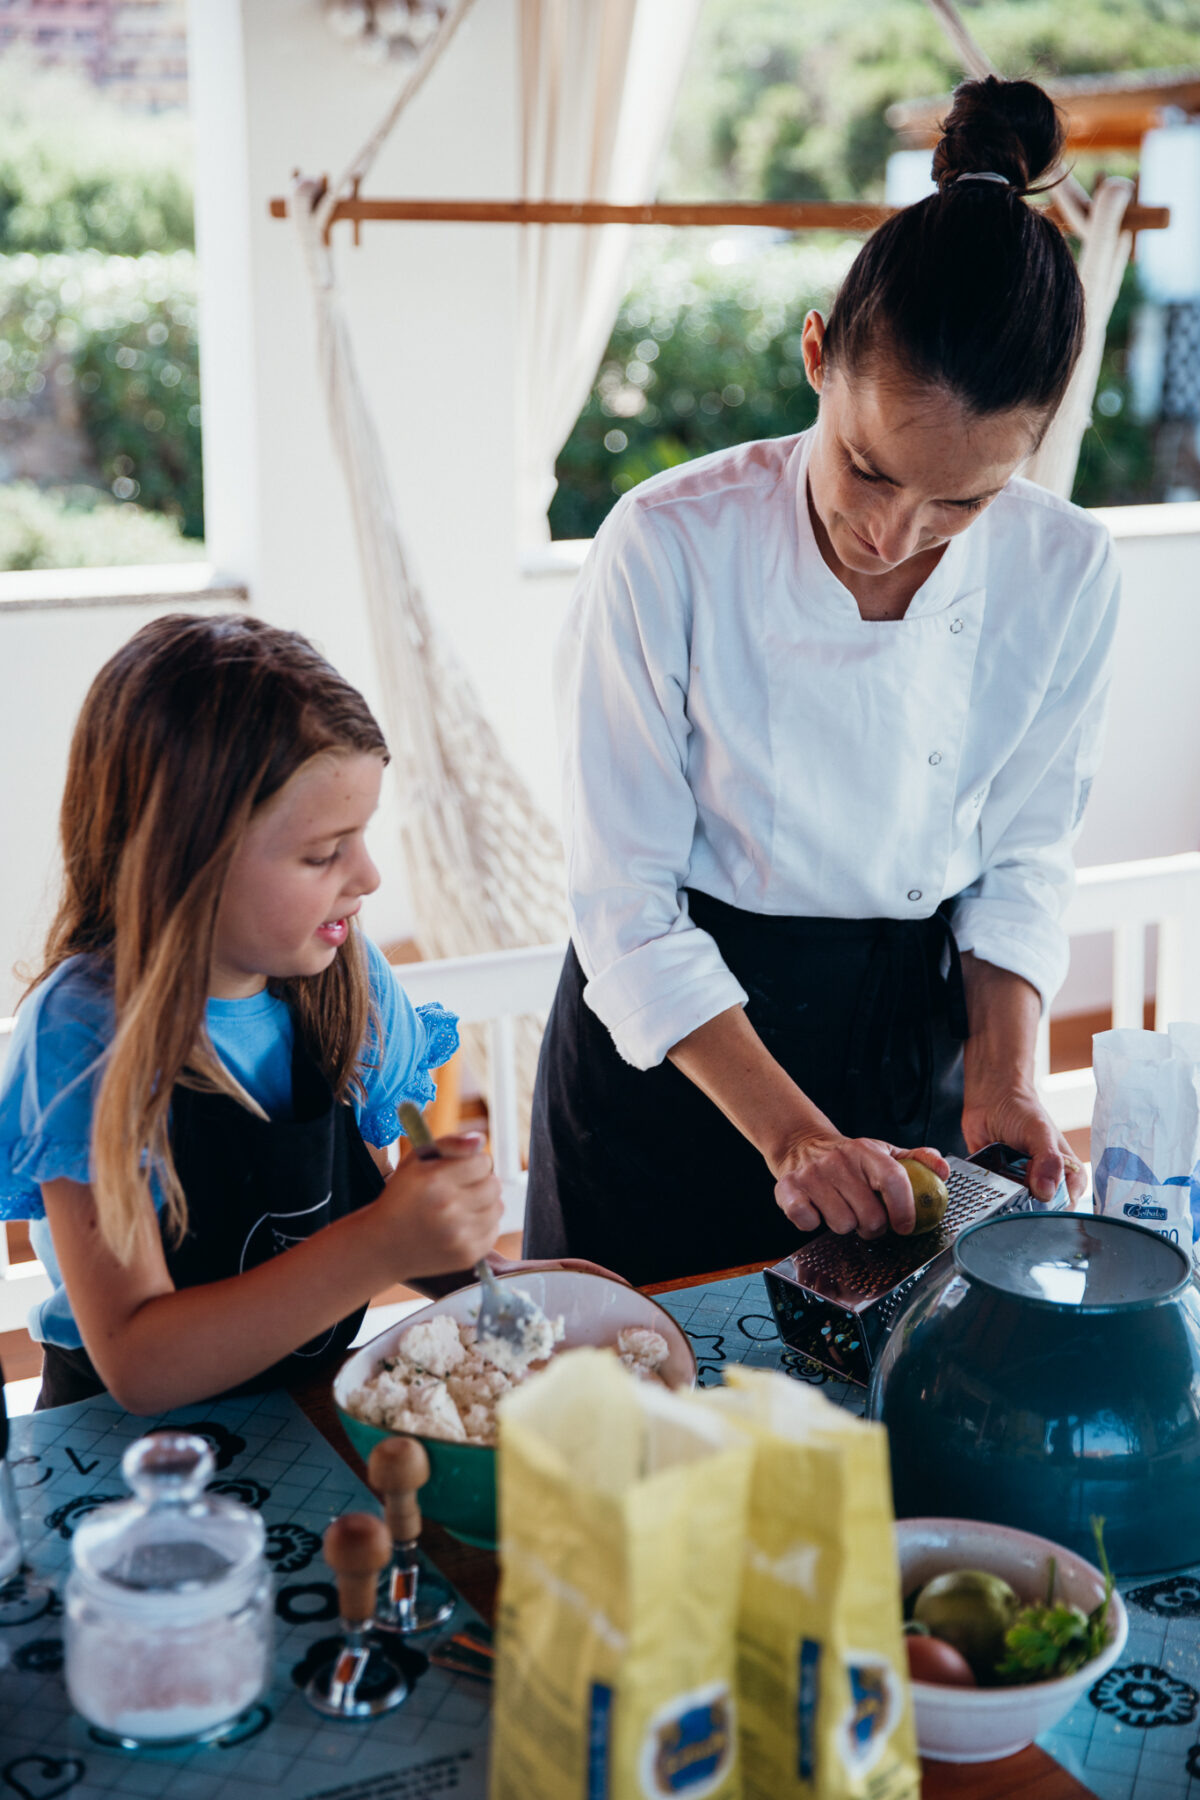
x: 731, y: 723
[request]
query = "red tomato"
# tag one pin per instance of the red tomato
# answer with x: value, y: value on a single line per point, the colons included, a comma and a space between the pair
x: 929, y: 1659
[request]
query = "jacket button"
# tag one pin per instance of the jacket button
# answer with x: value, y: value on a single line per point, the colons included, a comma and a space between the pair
x: 956, y: 626
x: 914, y: 893
x: 935, y: 758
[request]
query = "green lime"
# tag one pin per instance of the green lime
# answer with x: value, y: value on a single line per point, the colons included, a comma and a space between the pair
x: 930, y: 1193
x: 971, y: 1610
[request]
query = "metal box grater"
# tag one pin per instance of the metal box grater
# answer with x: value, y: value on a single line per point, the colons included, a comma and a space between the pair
x: 837, y: 1298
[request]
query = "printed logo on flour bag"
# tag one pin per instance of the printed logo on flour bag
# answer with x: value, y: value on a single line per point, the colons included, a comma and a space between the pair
x: 875, y: 1706
x: 689, y: 1743
x: 1162, y: 1207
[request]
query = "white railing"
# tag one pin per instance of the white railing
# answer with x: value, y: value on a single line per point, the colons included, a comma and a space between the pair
x: 1124, y: 898
x: 495, y: 990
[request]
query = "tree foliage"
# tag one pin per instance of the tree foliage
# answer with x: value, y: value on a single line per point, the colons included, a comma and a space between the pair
x: 111, y: 343
x: 788, y: 103
x: 77, y: 172
x: 702, y: 355
x: 782, y: 102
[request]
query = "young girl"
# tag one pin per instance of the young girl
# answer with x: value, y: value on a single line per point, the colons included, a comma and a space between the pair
x: 204, y: 1076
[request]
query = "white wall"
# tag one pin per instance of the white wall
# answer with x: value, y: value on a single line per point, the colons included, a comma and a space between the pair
x: 433, y: 319
x: 47, y: 661
x: 1146, y: 801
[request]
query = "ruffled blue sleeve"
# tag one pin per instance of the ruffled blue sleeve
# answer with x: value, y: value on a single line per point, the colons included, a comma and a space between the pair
x: 49, y: 1083
x: 414, y: 1042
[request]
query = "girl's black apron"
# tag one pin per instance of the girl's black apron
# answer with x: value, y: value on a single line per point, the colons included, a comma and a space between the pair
x: 254, y: 1187
x: 638, y: 1170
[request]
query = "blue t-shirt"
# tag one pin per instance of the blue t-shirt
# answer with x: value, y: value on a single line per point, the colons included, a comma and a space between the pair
x: 56, y: 1061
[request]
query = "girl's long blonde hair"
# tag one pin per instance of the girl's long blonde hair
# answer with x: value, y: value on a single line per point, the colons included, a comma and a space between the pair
x: 190, y: 728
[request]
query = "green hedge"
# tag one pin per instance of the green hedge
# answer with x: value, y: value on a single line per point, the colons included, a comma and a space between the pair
x: 76, y: 528
x: 119, y: 333
x: 79, y: 172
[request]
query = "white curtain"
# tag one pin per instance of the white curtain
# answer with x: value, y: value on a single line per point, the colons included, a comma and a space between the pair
x: 1102, y: 262
x: 599, y: 80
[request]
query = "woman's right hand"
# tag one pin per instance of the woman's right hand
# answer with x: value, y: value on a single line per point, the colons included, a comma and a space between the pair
x: 442, y: 1213
x: 849, y: 1184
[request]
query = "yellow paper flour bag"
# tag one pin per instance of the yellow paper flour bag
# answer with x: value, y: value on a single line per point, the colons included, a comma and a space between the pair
x: 823, y: 1699
x: 622, y: 1513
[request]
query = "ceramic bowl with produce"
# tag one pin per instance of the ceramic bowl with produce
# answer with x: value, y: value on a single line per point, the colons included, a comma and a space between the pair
x: 426, y: 1377
x: 1006, y: 1631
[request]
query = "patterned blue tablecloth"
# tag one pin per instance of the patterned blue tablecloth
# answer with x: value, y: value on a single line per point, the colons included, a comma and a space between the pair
x: 1136, y: 1734
x: 67, y: 1462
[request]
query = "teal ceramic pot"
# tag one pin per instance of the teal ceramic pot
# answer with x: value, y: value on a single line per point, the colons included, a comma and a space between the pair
x: 1051, y: 1373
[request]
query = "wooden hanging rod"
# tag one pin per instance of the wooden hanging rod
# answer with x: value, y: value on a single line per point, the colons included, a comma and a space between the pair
x: 807, y: 215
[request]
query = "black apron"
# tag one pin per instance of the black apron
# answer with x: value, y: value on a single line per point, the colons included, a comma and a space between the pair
x: 254, y: 1187
x: 638, y: 1170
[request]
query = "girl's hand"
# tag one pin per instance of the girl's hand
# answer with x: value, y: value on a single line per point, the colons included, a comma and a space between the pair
x: 441, y: 1214
x: 1016, y: 1116
x: 850, y: 1184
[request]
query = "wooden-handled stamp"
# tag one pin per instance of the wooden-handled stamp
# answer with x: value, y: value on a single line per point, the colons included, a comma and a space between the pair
x: 417, y: 1597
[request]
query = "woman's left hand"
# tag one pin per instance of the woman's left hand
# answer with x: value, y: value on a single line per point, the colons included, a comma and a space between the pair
x: 1017, y: 1117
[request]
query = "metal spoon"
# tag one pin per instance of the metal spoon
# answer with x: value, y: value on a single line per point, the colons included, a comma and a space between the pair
x: 508, y: 1320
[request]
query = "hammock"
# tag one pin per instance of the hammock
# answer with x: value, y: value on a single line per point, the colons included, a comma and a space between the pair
x: 484, y: 862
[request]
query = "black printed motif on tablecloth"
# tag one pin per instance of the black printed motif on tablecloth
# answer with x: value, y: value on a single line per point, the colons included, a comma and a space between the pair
x: 29, y: 1471
x: 1176, y: 1598
x: 424, y: 1782
x: 42, y: 1656
x: 1193, y: 1762
x: 307, y: 1603
x: 66, y: 1517
x: 22, y: 1601
x: 243, y: 1488
x: 759, y: 1328
x: 43, y: 1777
x: 803, y: 1368
x: 1143, y: 1695
x: 291, y: 1547
x: 708, y: 1360
x: 225, y: 1444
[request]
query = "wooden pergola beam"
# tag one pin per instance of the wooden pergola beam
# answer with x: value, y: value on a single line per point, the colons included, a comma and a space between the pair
x: 815, y: 215
x: 1102, y: 112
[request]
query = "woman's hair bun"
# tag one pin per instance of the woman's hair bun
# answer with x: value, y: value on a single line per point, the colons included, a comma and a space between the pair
x: 1009, y: 128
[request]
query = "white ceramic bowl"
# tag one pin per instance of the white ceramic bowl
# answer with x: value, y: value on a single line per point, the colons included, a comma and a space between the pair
x: 968, y: 1725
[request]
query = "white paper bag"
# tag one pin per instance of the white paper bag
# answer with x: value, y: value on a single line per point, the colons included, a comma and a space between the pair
x: 1146, y: 1130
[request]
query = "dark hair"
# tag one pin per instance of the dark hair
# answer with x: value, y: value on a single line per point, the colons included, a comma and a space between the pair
x: 971, y: 289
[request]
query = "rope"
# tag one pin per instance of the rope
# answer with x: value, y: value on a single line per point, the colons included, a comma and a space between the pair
x: 364, y: 162
x: 484, y: 863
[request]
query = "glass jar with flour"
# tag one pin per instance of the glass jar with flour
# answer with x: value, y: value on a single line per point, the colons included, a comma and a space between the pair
x: 169, y: 1615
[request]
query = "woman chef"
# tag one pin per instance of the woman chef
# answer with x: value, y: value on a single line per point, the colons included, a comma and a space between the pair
x: 833, y: 707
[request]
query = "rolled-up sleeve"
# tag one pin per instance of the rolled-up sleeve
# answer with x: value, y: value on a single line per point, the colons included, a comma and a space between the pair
x: 629, y: 812
x: 1012, y: 915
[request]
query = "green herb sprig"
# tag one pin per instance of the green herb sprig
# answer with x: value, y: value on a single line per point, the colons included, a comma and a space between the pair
x: 1051, y: 1639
